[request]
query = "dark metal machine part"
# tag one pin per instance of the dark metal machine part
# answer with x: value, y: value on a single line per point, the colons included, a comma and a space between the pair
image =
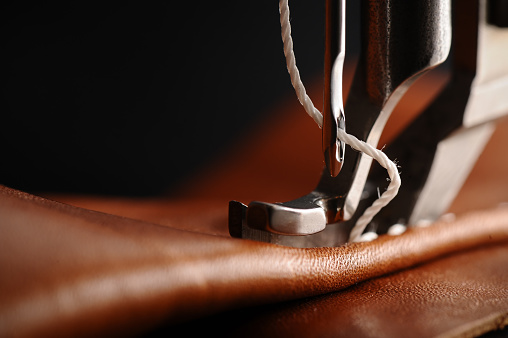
x: 416, y: 146
x: 497, y: 13
x: 448, y: 120
x: 400, y: 41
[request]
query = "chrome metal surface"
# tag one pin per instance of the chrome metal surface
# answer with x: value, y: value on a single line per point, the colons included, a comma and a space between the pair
x: 401, y: 40
x: 239, y: 228
x: 300, y: 217
x: 488, y: 98
x: 333, y: 110
x: 439, y: 149
x: 454, y: 158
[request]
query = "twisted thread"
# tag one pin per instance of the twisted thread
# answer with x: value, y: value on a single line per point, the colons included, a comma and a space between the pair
x: 390, y: 192
x: 294, y: 73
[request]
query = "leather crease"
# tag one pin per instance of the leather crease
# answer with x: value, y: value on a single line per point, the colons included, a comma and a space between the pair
x: 72, y: 271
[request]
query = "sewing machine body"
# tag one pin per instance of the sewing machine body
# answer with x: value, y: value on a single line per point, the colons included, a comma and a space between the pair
x: 401, y: 40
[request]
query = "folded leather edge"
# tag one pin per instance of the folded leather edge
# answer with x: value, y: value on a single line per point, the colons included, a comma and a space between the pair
x: 233, y: 273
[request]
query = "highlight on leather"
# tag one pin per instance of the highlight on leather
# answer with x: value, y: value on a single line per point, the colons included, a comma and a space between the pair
x: 71, y: 270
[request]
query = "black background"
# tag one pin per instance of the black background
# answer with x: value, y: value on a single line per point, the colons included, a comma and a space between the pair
x: 130, y: 99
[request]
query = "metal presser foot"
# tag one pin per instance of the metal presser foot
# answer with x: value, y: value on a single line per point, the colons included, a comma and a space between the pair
x: 401, y: 40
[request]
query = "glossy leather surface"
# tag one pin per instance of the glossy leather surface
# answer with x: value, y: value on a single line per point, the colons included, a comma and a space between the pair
x: 75, y: 271
x: 464, y: 294
x: 162, y: 266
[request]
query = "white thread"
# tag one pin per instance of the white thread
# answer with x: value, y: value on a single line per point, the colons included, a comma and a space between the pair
x: 396, y: 229
x: 367, y: 237
x: 291, y: 65
x: 387, y: 196
x: 353, y: 142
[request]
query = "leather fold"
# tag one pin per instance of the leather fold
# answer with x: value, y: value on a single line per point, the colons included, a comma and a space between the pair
x: 72, y: 271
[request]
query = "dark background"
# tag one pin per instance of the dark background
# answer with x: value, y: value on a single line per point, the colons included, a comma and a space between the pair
x: 130, y: 99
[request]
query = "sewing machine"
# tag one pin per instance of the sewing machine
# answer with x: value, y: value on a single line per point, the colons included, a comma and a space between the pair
x: 167, y: 266
x: 401, y: 40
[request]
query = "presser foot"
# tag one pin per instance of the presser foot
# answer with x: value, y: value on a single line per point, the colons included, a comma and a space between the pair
x: 328, y: 235
x: 314, y: 220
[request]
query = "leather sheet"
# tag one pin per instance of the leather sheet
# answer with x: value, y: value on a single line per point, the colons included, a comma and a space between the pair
x: 167, y: 266
x: 460, y: 295
x: 72, y: 271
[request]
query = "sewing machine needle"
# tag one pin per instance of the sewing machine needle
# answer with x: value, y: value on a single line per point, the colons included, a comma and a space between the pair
x: 333, y: 112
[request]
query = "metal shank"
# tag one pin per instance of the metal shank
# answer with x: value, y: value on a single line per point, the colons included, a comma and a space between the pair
x: 439, y: 149
x: 333, y: 110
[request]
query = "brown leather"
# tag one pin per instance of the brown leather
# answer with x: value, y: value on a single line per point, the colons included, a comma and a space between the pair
x: 74, y: 271
x: 461, y: 295
x: 71, y: 271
